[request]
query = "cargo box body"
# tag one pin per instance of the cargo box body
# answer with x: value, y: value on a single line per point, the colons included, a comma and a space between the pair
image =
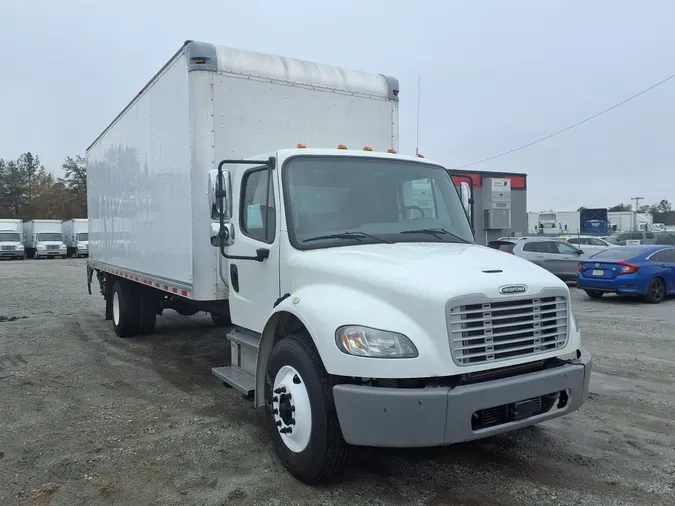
x: 147, y: 173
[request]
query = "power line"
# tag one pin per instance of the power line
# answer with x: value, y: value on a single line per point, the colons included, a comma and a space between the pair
x: 571, y: 126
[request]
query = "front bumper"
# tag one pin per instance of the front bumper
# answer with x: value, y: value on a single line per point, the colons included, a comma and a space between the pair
x: 437, y: 416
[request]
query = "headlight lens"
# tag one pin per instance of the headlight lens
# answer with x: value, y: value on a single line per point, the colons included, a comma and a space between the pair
x: 40, y: 246
x: 81, y: 246
x: 20, y: 246
x: 368, y: 342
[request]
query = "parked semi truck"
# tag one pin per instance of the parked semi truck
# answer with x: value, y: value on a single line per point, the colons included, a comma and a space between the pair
x: 267, y: 191
x: 11, y: 239
x: 43, y: 239
x: 76, y: 236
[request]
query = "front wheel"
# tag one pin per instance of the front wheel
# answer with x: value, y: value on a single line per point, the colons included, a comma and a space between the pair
x: 301, y: 414
x: 594, y: 294
x: 656, y: 291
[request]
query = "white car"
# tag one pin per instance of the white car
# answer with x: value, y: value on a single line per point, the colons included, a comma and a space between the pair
x: 587, y: 242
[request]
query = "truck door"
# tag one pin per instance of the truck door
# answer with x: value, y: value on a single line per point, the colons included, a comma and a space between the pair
x: 254, y: 285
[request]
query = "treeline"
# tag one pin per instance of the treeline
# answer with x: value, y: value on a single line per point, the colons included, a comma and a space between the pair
x: 28, y: 191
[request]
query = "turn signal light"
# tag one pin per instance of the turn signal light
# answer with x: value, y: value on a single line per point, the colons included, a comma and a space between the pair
x: 420, y: 155
x: 342, y: 146
x: 579, y: 266
x: 301, y: 146
x: 367, y: 148
x: 392, y: 151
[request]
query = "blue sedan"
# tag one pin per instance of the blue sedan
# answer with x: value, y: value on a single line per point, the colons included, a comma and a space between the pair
x: 648, y: 271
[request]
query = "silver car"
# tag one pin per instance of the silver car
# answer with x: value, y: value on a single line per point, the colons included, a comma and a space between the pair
x: 588, y: 243
x: 552, y: 254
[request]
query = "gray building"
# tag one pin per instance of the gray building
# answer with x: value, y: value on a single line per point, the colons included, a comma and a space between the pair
x: 498, y: 203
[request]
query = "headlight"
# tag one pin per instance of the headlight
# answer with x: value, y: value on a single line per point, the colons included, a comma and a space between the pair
x: 40, y: 246
x: 367, y: 342
x: 20, y: 246
x: 81, y: 246
x: 576, y: 323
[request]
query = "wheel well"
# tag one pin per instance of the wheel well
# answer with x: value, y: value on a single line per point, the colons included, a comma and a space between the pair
x: 280, y: 325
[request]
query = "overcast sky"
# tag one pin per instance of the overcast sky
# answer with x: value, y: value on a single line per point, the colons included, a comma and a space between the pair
x: 495, y: 75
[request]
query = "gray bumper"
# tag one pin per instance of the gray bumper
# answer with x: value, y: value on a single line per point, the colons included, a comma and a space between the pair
x: 401, y: 417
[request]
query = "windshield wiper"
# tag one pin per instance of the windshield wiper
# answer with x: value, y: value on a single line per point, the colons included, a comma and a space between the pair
x: 436, y: 232
x: 359, y: 236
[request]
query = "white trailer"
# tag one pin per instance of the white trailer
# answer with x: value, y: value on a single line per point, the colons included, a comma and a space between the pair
x: 43, y: 239
x: 76, y: 236
x: 359, y: 316
x: 11, y: 239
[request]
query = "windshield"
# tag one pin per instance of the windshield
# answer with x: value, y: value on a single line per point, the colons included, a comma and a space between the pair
x: 374, y: 200
x: 9, y: 237
x: 50, y: 236
x: 618, y: 254
x: 83, y: 237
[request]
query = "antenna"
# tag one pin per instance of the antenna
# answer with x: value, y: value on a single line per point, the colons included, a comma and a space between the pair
x: 417, y: 142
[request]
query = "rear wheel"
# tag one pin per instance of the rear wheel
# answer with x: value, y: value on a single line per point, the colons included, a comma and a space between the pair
x: 125, y: 314
x: 656, y: 291
x: 147, y: 317
x: 594, y: 294
x: 301, y: 415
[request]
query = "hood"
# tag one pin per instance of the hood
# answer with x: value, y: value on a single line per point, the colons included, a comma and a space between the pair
x: 424, y: 270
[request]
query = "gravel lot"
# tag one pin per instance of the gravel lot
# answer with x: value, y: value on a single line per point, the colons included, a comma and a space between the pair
x: 87, y: 418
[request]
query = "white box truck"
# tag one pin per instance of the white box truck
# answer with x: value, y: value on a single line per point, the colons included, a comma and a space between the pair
x: 76, y: 236
x: 358, y: 315
x: 43, y: 239
x: 11, y: 239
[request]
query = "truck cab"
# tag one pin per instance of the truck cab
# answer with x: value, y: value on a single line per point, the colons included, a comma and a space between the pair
x: 11, y: 239
x: 358, y: 294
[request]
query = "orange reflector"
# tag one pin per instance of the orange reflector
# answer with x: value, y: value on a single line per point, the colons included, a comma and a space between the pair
x: 420, y: 155
x: 393, y: 151
x: 198, y: 60
x: 367, y: 148
x: 342, y: 146
x: 301, y: 146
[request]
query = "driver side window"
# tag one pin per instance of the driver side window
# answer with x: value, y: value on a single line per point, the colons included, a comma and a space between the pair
x: 418, y: 200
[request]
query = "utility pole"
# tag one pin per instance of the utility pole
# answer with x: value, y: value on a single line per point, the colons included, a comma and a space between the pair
x: 635, y: 210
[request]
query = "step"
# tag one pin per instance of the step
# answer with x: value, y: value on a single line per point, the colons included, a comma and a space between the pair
x: 243, y: 337
x: 236, y: 377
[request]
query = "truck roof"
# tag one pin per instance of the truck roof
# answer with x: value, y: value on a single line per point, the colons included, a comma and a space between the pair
x: 255, y: 65
x: 288, y: 152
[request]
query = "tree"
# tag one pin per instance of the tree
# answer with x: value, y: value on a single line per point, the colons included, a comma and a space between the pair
x: 12, y: 190
x: 662, y: 212
x: 620, y: 208
x: 76, y: 180
x: 29, y: 166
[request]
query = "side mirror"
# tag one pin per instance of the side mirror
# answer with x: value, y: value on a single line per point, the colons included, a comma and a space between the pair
x: 580, y: 252
x: 227, y: 234
x: 216, y: 191
x: 465, y: 193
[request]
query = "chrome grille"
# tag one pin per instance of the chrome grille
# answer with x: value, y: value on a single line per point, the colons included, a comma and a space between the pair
x: 52, y: 246
x: 495, y: 330
x: 8, y: 248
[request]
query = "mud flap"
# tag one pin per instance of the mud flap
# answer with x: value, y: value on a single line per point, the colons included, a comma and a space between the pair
x: 90, y: 274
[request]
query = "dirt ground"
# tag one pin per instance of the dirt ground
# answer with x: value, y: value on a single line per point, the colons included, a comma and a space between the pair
x: 87, y: 418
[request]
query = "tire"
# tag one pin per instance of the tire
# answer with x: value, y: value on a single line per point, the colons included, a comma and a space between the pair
x: 222, y: 319
x: 147, y: 313
x: 656, y: 291
x: 314, y: 451
x: 594, y: 294
x: 125, y: 311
